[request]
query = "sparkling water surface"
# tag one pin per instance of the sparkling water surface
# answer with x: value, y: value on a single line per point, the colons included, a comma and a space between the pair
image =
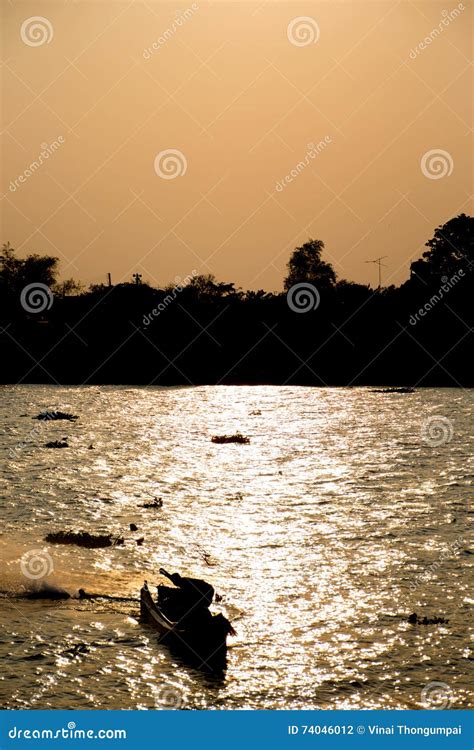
x: 347, y: 511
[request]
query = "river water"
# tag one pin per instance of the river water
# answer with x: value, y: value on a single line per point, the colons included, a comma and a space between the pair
x: 347, y: 511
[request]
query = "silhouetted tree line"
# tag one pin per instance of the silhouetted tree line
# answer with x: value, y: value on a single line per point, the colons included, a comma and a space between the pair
x: 207, y: 331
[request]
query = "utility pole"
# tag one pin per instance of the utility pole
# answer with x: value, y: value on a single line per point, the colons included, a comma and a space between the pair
x: 378, y: 261
x: 109, y: 279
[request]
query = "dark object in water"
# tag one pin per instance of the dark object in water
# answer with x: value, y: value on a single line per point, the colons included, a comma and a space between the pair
x: 140, y: 541
x: 157, y: 503
x: 77, y: 650
x: 91, y: 447
x: 47, y: 591
x: 413, y: 619
x: 200, y: 638
x: 83, y: 539
x: 237, y: 438
x: 207, y: 557
x: 404, y: 389
x: 55, y: 415
x: 57, y: 444
x: 255, y: 413
x: 133, y: 527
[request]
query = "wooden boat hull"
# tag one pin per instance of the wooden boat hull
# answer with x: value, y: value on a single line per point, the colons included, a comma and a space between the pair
x: 204, y: 649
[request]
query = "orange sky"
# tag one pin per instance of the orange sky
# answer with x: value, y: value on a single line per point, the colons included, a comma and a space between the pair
x: 239, y: 89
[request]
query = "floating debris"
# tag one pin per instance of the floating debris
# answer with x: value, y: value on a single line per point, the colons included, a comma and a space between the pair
x: 133, y: 527
x: 255, y: 413
x: 157, y: 503
x: 55, y: 415
x: 237, y: 438
x: 394, y: 390
x: 84, y: 539
x: 207, y: 557
x: 57, y: 444
x: 413, y: 619
x: 140, y: 541
x: 78, y: 650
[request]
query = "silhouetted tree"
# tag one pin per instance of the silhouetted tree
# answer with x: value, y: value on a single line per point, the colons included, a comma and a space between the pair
x: 206, y: 286
x: 16, y: 273
x: 98, y: 288
x: 305, y: 264
x: 450, y: 249
x: 68, y: 287
x: 211, y: 332
x: 257, y: 296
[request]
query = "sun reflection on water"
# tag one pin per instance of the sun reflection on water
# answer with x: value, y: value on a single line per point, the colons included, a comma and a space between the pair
x: 314, y: 534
